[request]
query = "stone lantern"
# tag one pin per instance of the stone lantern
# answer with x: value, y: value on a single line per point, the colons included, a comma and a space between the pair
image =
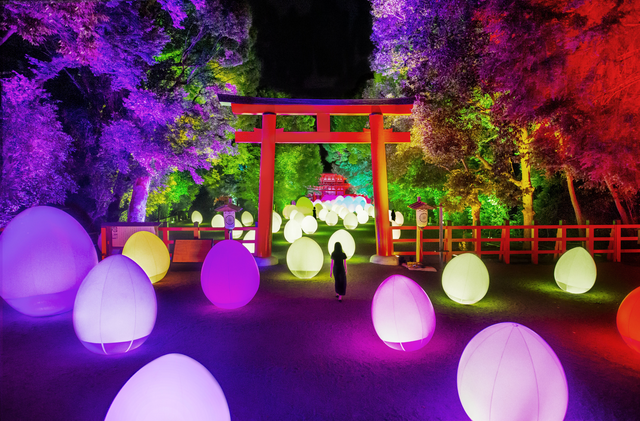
x: 422, y: 219
x: 229, y: 214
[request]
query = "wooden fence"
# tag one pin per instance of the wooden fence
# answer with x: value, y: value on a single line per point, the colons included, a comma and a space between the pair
x: 612, y: 240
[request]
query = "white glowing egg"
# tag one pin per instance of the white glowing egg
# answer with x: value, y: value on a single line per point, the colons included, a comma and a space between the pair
x: 359, y: 208
x: 276, y: 222
x: 115, y: 309
x: 299, y: 217
x: 286, y: 212
x: 217, y: 221
x: 171, y: 387
x: 305, y: 258
x: 350, y: 221
x: 576, y: 271
x: 246, y: 219
x: 346, y: 241
x: 304, y: 205
x: 371, y: 210
x: 335, y: 207
x: 323, y: 214
x: 343, y: 212
x: 293, y: 212
x: 363, y: 217
x: 402, y: 314
x: 332, y: 218
x: 292, y: 231
x: 399, y: 219
x: 237, y: 233
x: 309, y: 224
x: 229, y: 277
x: 196, y: 217
x: 395, y: 233
x: 507, y: 372
x: 465, y: 279
x: 148, y: 251
x: 250, y: 235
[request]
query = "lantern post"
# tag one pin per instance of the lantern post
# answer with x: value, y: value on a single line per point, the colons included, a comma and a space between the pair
x: 422, y: 219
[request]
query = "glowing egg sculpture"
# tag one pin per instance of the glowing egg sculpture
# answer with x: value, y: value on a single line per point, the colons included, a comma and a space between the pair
x: 115, y: 309
x: 575, y: 271
x: 299, y: 217
x: 217, y: 221
x: 363, y: 217
x: 399, y: 219
x: 323, y: 214
x: 402, y: 314
x: 509, y: 373
x: 343, y: 212
x: 332, y: 218
x: 276, y: 222
x: 309, y: 224
x: 304, y: 205
x: 148, y: 251
x: 293, y: 213
x: 171, y: 387
x: 350, y: 221
x: 286, y: 212
x: 230, y: 276
x: 292, y: 231
x: 371, y: 210
x: 346, y: 241
x: 395, y: 234
x: 628, y: 319
x: 465, y: 279
x: 196, y: 217
x: 250, y: 235
x: 305, y: 258
x: 237, y: 233
x: 246, y: 219
x: 44, y: 256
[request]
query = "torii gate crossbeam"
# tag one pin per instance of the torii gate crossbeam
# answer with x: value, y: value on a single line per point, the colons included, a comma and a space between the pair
x: 268, y: 136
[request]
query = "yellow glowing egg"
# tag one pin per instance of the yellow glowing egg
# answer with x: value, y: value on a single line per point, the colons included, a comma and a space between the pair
x: 292, y: 231
x: 575, y: 271
x: 286, y: 212
x: 217, y: 221
x: 196, y: 217
x: 250, y: 235
x: 305, y: 258
x: 350, y: 221
x: 293, y: 212
x: 323, y: 214
x: 465, y: 279
x: 309, y: 224
x: 246, y: 219
x: 363, y: 217
x: 318, y: 207
x: 276, y: 222
x: 346, y: 241
x: 237, y: 233
x: 150, y: 253
x: 304, y: 205
x: 371, y: 210
x: 332, y: 218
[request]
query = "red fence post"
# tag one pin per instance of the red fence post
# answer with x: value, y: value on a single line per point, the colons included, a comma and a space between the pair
x: 534, y: 252
x: 618, y: 240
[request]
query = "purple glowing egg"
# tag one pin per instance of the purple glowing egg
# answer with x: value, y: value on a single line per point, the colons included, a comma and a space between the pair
x: 172, y: 387
x: 230, y: 277
x: 509, y: 373
x: 115, y: 309
x: 44, y: 256
x: 402, y: 314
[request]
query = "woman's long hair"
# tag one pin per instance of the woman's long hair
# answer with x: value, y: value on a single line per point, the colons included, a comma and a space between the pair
x: 337, y: 252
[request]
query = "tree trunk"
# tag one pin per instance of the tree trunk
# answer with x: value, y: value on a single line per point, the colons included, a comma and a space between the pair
x: 475, y: 218
x: 574, y: 199
x: 616, y: 198
x: 138, y: 205
x: 526, y: 187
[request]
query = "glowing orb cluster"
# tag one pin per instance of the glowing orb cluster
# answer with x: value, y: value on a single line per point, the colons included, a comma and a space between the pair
x: 575, y: 271
x: 350, y: 221
x: 115, y: 309
x: 509, y: 373
x: 196, y: 217
x: 309, y: 224
x: 402, y: 314
x: 628, y: 319
x: 230, y: 276
x: 346, y: 241
x: 44, y: 256
x: 171, y: 387
x: 276, y: 222
x: 148, y: 251
x: 217, y: 221
x: 305, y: 258
x: 247, y: 219
x: 465, y: 279
x: 292, y: 231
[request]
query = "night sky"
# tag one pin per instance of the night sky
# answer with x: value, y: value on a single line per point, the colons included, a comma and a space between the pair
x: 314, y: 48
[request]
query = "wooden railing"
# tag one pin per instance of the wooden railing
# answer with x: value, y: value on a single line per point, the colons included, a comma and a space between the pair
x: 615, y: 241
x: 197, y: 230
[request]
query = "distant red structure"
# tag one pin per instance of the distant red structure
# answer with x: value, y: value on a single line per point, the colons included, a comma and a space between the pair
x: 330, y: 185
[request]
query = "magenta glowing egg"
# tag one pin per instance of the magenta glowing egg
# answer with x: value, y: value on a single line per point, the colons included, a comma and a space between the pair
x: 507, y: 372
x: 171, y: 387
x: 115, y: 309
x: 230, y: 277
x: 628, y: 319
x: 402, y: 314
x: 44, y: 256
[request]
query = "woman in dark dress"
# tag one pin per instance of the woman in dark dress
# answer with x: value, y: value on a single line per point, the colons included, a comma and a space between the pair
x: 339, y: 269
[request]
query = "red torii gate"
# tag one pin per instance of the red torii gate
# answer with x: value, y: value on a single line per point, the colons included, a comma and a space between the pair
x: 268, y: 136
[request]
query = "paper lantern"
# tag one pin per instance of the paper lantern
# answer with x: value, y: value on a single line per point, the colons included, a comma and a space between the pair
x: 292, y: 231
x: 363, y: 217
x: 286, y: 212
x: 465, y: 279
x: 350, y: 221
x: 346, y: 241
x: 150, y: 253
x: 196, y: 217
x: 628, y: 319
x: 309, y: 224
x: 332, y: 218
x: 509, y: 373
x: 305, y: 258
x: 402, y: 314
x: 172, y: 387
x: 246, y: 219
x: 304, y: 206
x: 250, y: 235
x: 44, y: 256
x: 217, y: 221
x: 276, y: 222
x: 115, y: 309
x: 230, y: 276
x: 575, y: 271
x: 323, y: 214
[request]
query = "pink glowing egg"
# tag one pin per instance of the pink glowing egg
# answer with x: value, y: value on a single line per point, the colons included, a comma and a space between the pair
x: 115, y: 309
x: 628, y: 319
x: 230, y: 277
x: 44, y: 256
x: 402, y: 314
x: 172, y: 387
x: 509, y: 373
